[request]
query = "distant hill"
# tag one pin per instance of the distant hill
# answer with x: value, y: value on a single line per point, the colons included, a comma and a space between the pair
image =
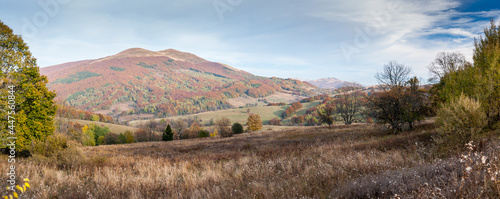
x: 160, y: 83
x: 328, y: 83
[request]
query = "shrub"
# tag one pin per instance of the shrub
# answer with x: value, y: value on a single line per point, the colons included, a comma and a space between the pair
x: 122, y: 138
x: 203, y: 133
x: 141, y: 135
x: 100, y: 140
x: 52, y: 145
x: 461, y: 120
x: 129, y: 136
x: 237, y: 128
x: 111, y: 138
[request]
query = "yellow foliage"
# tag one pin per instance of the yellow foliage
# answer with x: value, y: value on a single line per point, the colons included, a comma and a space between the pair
x: 254, y: 122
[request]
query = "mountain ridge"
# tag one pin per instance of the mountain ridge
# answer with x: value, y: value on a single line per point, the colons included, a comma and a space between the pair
x: 163, y: 83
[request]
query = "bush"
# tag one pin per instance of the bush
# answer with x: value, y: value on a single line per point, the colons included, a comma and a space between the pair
x: 122, y: 138
x: 129, y: 136
x: 58, y: 149
x: 52, y: 145
x: 141, y: 135
x: 203, y: 134
x: 237, y: 128
x: 111, y: 138
x: 461, y: 120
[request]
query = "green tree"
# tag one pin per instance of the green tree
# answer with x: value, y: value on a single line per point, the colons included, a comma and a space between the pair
x: 254, y: 123
x: 130, y: 136
x: 325, y: 115
x: 122, y: 138
x: 481, y: 80
x: 487, y: 63
x: 95, y: 118
x: 168, y: 135
x: 34, y: 106
x: 237, y: 128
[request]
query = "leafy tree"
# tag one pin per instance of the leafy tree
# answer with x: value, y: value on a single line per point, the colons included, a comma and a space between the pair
x: 325, y: 115
x: 480, y: 80
x: 254, y: 123
x: 399, y: 102
x: 122, y: 138
x: 194, y: 130
x: 215, y: 133
x: 95, y: 118
x: 168, y: 135
x: 487, y: 63
x: 88, y: 136
x: 277, y: 122
x: 34, y: 106
x: 111, y: 138
x: 129, y: 136
x: 237, y: 128
x: 203, y: 133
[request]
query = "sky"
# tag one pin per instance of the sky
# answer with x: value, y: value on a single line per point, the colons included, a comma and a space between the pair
x: 309, y: 39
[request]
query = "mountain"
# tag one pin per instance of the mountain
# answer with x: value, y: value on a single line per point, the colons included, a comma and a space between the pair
x: 328, y: 83
x: 162, y: 83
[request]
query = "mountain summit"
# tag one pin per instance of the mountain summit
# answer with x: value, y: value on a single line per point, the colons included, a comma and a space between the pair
x: 329, y: 83
x: 163, y: 83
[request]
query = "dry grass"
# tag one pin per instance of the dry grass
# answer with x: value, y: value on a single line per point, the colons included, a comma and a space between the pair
x: 315, y: 162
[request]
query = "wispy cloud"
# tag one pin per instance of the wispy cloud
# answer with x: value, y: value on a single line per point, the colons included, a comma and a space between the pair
x: 271, y: 38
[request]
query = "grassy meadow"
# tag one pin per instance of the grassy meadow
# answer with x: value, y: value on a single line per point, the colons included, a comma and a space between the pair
x: 357, y: 161
x: 239, y: 115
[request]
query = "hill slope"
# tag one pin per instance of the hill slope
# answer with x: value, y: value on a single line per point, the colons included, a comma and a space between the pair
x: 163, y: 83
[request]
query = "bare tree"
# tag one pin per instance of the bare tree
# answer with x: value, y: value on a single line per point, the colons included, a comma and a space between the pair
x: 151, y: 126
x: 446, y: 63
x: 222, y: 125
x: 394, y: 75
x: 179, y: 126
x: 348, y: 101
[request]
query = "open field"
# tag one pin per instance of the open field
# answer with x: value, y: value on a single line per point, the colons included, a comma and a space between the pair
x: 238, y: 115
x: 114, y: 128
x: 358, y: 161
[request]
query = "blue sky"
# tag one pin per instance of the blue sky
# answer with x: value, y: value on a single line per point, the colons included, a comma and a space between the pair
x: 347, y: 39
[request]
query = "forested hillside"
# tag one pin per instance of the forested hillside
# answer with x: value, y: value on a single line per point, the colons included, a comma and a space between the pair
x: 162, y: 83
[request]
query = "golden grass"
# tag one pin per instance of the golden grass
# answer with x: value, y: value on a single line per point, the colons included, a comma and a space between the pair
x: 308, y: 162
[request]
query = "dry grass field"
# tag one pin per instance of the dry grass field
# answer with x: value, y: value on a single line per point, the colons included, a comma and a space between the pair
x: 359, y: 161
